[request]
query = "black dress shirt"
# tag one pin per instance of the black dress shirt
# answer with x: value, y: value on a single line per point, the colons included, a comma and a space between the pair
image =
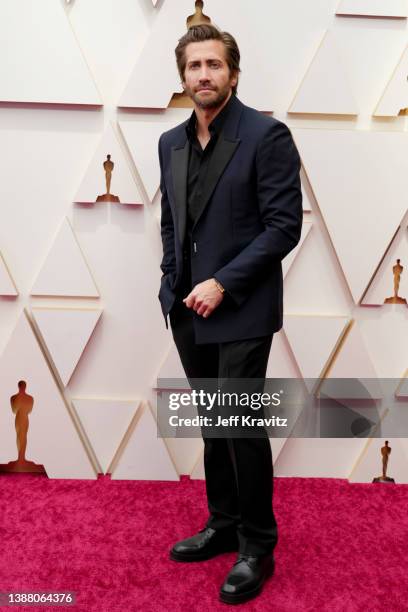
x: 199, y: 160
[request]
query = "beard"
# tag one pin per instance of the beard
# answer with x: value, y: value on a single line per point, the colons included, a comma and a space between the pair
x: 213, y: 101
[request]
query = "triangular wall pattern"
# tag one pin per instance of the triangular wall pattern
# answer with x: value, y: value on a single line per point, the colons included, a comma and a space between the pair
x: 66, y: 332
x: 352, y: 359
x: 353, y: 362
x: 142, y: 138
x: 282, y: 363
x: 321, y: 333
x: 402, y: 389
x: 395, y: 96
x: 289, y: 259
x: 65, y: 271
x: 325, y: 87
x: 305, y: 192
x: 47, y: 64
x: 373, y: 8
x: 171, y: 370
x: 158, y: 71
x: 145, y: 456
x: 122, y: 182
x: 53, y: 440
x: 7, y: 285
x: 352, y: 178
x: 105, y: 422
x: 382, y: 286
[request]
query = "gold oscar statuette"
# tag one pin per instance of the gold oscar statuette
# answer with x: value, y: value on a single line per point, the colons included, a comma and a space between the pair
x: 385, y: 453
x: 395, y: 299
x: 108, y: 166
x: 21, y: 406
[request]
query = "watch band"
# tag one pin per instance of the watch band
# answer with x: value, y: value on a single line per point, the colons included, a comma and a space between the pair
x: 219, y: 286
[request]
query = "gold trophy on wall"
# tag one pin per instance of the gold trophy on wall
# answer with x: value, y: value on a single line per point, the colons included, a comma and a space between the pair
x: 385, y: 453
x: 395, y: 299
x: 108, y: 166
x: 21, y: 406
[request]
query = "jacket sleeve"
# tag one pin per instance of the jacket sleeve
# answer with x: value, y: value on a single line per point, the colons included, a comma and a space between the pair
x: 168, y: 264
x: 280, y: 205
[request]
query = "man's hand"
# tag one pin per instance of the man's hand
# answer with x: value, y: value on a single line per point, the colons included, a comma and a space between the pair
x: 204, y: 298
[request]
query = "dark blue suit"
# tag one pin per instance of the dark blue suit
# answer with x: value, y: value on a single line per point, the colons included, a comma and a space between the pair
x: 247, y: 219
x: 250, y: 219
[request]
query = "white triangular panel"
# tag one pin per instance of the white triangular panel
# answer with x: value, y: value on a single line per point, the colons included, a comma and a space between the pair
x: 171, y: 372
x: 384, y: 334
x: 373, y: 8
x: 142, y: 138
x: 198, y: 470
x: 402, y: 390
x: 321, y: 458
x: 277, y: 445
x: 382, y: 286
x: 353, y: 362
x: 155, y: 2
x: 289, y: 259
x: 395, y: 96
x: 105, y: 422
x: 281, y: 363
x: 306, y: 205
x: 325, y: 88
x: 66, y: 332
x: 65, y: 271
x: 352, y: 177
x: 47, y: 64
x: 369, y: 465
x: 353, y: 359
x: 323, y: 333
x: 156, y: 67
x: 122, y: 185
x: 53, y: 440
x: 145, y: 456
x: 7, y: 286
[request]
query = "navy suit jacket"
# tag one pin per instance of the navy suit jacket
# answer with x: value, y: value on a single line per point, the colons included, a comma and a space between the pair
x: 250, y: 219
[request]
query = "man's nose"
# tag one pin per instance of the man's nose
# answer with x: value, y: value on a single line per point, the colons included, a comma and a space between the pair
x: 204, y: 74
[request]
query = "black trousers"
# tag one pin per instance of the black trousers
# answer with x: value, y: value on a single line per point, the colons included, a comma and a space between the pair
x: 238, y: 470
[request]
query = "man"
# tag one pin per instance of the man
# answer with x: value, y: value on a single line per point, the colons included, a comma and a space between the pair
x: 231, y: 210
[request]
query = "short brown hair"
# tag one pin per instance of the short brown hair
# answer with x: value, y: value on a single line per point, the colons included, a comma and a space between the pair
x: 202, y: 32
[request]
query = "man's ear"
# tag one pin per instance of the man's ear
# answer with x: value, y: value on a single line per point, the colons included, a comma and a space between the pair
x: 234, y: 78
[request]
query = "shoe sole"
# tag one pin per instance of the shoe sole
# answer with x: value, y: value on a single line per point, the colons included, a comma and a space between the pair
x: 187, y: 557
x: 242, y: 597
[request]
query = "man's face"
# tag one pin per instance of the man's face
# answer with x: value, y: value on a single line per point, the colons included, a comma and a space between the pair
x: 207, y: 78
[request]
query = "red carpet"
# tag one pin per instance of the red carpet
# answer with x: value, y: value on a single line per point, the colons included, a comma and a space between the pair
x: 342, y: 547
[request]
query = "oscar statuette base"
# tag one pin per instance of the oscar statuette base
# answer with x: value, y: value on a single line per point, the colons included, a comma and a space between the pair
x: 108, y: 197
x: 22, y: 467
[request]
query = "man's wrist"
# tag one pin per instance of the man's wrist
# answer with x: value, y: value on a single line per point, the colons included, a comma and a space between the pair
x: 219, y: 286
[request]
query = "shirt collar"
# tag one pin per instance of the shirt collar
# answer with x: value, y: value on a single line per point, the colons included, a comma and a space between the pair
x: 216, y: 124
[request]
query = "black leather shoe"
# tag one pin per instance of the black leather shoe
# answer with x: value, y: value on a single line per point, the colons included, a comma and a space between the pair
x: 246, y: 578
x: 207, y: 543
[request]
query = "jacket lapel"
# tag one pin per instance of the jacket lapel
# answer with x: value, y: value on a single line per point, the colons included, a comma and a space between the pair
x: 179, y: 169
x: 223, y: 151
